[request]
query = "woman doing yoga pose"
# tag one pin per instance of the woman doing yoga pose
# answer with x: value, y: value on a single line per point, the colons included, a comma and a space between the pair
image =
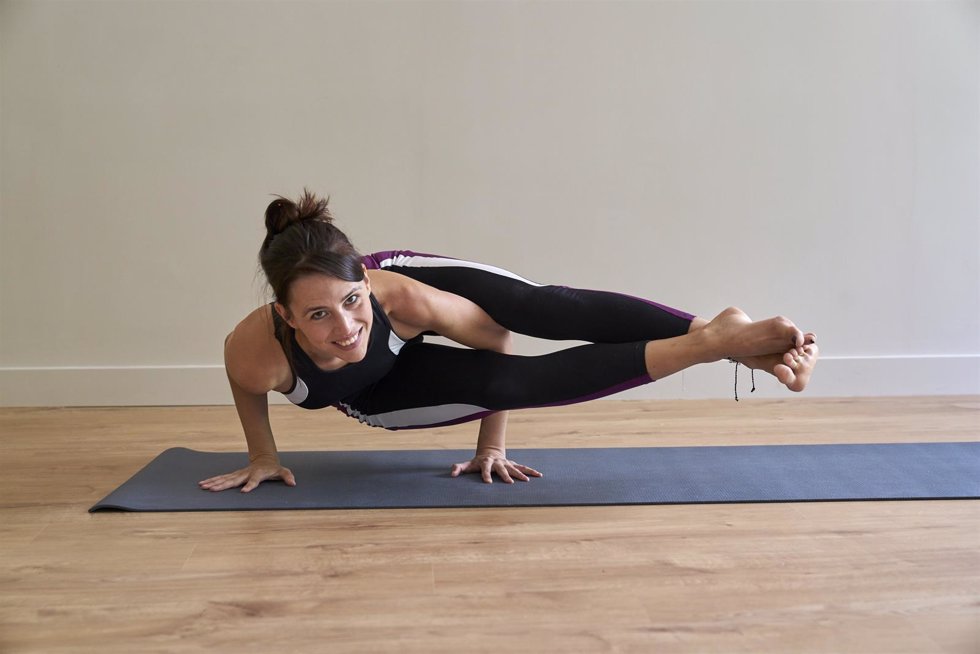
x: 346, y: 330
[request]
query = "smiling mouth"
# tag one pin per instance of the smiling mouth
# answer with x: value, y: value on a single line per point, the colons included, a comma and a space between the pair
x: 350, y: 341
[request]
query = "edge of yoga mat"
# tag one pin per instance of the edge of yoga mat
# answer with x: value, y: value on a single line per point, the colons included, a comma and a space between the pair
x: 573, y: 477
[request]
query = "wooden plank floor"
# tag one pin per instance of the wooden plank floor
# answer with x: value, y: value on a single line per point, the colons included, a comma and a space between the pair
x: 812, y: 577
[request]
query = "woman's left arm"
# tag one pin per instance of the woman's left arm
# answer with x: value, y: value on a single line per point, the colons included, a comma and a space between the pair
x: 418, y: 308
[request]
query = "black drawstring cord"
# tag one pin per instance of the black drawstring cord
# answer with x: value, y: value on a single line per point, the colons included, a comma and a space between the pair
x: 752, y: 370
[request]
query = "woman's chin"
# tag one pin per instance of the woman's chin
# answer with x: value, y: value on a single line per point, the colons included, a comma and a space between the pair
x: 354, y: 357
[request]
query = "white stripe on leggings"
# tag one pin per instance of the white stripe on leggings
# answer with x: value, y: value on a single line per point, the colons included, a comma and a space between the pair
x: 416, y: 417
x: 414, y: 261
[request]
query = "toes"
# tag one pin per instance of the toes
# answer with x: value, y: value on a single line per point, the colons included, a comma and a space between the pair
x: 800, y: 365
x: 785, y: 326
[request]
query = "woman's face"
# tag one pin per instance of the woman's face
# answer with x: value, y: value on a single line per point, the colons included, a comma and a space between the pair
x: 334, y: 316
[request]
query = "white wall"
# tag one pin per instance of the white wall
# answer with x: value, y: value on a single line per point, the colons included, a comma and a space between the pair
x: 816, y: 159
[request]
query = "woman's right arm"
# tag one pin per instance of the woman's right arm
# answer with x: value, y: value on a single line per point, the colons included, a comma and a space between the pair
x: 247, y: 384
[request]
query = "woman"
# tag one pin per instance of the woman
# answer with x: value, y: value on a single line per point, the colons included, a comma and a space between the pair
x: 346, y: 331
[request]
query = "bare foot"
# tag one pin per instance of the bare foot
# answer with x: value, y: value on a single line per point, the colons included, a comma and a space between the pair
x: 733, y: 334
x: 793, y: 368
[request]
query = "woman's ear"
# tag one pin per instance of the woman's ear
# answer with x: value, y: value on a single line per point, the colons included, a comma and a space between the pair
x: 367, y: 279
x: 284, y: 314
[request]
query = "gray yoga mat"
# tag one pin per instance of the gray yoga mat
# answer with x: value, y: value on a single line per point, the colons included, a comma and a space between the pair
x: 573, y: 477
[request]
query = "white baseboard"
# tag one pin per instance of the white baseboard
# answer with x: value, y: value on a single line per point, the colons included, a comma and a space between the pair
x: 114, y: 386
x: 202, y: 385
x: 880, y: 376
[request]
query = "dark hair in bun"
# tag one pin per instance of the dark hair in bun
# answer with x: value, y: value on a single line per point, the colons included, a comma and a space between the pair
x: 302, y: 240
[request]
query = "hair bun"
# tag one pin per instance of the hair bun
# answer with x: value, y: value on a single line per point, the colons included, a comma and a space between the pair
x: 313, y: 208
x: 279, y: 215
x: 282, y: 213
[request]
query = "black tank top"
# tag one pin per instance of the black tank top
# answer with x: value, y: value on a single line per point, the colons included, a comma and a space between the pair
x: 315, y: 389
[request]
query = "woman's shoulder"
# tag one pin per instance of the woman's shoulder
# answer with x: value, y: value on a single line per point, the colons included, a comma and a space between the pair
x: 404, y: 301
x: 254, y: 359
x: 395, y: 292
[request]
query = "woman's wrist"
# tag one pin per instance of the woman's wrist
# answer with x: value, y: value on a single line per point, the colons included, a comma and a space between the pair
x: 264, y: 457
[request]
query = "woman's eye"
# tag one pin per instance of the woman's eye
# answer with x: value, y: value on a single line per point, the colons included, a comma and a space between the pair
x: 352, y: 300
x: 317, y: 315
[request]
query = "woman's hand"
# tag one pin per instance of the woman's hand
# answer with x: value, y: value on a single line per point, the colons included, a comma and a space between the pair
x: 257, y: 471
x: 490, y: 461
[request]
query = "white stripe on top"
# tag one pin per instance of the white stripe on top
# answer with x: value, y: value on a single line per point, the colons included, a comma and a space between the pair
x: 299, y: 393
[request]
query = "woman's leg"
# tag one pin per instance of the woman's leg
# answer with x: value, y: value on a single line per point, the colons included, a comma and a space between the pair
x: 435, y: 385
x: 550, y: 312
x: 659, y: 341
x: 562, y: 313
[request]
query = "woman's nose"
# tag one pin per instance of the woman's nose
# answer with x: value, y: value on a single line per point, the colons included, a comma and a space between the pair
x: 343, y: 324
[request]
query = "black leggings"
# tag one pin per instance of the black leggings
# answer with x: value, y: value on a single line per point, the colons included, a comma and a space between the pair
x: 434, y: 385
